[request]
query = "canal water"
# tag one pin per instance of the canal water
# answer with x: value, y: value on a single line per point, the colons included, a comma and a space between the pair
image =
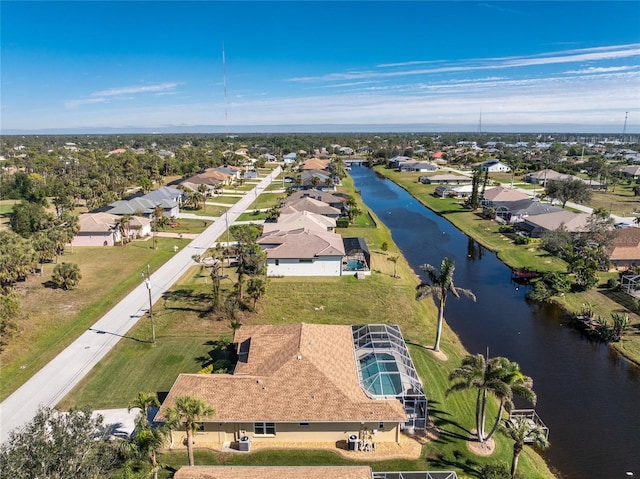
x: 588, y: 395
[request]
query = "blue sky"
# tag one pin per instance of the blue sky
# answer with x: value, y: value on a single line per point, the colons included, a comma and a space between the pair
x: 520, y: 66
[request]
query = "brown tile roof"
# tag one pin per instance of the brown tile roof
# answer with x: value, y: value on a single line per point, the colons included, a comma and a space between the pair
x: 300, y: 219
x: 292, y: 373
x: 309, y: 204
x: 626, y: 245
x: 97, y: 222
x: 315, y: 164
x: 573, y: 222
x: 500, y: 193
x: 301, y: 243
x: 274, y: 472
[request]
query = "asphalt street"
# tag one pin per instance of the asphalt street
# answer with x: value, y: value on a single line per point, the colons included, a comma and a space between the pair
x: 55, y: 380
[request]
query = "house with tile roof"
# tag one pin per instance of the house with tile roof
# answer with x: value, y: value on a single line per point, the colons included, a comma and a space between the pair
x: 301, y: 219
x: 536, y: 225
x: 336, y: 200
x: 303, y: 252
x: 624, y: 251
x: 100, y: 229
x: 500, y: 194
x: 308, y: 383
x: 444, y: 179
x: 312, y: 205
x: 631, y: 171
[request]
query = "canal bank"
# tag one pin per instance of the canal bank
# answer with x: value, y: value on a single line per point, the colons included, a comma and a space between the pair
x: 585, y: 393
x: 602, y: 299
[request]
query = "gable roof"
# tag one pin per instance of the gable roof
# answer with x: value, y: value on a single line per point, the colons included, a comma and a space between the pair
x: 501, y: 193
x: 573, y: 222
x: 300, y: 219
x: 315, y: 164
x: 626, y: 245
x: 301, y: 243
x: 288, y: 373
x: 309, y: 204
x: 315, y: 194
x: 527, y: 207
x: 97, y: 222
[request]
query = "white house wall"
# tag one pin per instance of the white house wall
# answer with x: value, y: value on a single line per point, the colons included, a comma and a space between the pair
x: 323, y: 266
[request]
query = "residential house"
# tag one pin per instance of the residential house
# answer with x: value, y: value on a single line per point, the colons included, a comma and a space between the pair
x: 502, y: 194
x: 315, y: 164
x: 631, y: 171
x: 97, y: 229
x: 143, y: 207
x: 325, y: 180
x: 445, y: 179
x: 314, y: 206
x: 451, y: 191
x: 304, y: 383
x: 541, y: 177
x: 624, y: 251
x: 421, y: 166
x: 397, y: 160
x: 494, y: 166
x: 345, y: 151
x: 536, y: 225
x: 517, y: 211
x: 268, y: 157
x: 301, y: 219
x: 165, y: 193
x: 290, y: 157
x: 303, y: 252
x: 332, y: 199
x: 233, y: 172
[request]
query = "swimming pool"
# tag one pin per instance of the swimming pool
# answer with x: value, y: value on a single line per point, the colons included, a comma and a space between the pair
x: 354, y: 265
x: 380, y: 374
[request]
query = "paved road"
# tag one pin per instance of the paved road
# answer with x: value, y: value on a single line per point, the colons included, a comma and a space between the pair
x: 57, y: 378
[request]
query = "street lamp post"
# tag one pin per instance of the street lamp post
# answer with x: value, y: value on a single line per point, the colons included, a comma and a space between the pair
x: 147, y: 283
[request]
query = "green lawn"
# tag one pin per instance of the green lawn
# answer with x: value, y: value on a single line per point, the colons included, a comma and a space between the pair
x: 530, y: 256
x: 208, y: 210
x: 186, y: 335
x: 55, y: 318
x: 225, y: 200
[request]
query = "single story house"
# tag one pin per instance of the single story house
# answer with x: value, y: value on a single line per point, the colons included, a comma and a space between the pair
x: 232, y: 171
x: 302, y: 472
x: 445, y: 179
x: 304, y: 383
x: 421, y: 166
x: 631, y: 171
x: 325, y: 180
x: 301, y: 219
x: 345, y: 150
x: 143, y: 207
x: 97, y: 229
x: 290, y: 157
x: 449, y: 191
x: 165, y: 193
x: 503, y: 195
x: 312, y: 205
x: 494, y: 166
x: 541, y: 177
x: 332, y: 199
x: 315, y: 164
x: 624, y: 251
x: 303, y: 252
x: 536, y: 225
x: 516, y: 211
x: 397, y: 160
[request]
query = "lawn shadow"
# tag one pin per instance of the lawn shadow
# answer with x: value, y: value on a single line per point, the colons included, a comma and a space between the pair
x: 186, y: 300
x: 449, y: 429
x: 220, y: 356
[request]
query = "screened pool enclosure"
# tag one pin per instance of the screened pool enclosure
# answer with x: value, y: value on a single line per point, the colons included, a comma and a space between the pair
x: 386, y: 371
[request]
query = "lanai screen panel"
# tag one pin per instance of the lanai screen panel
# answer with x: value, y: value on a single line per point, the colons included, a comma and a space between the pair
x: 386, y: 371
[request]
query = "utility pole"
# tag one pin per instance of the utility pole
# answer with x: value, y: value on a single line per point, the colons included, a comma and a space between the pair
x: 147, y: 282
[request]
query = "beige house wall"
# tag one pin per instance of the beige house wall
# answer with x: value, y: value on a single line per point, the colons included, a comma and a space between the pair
x: 214, y: 433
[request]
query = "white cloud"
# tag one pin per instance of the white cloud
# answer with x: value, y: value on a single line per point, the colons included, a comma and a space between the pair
x: 591, y: 70
x: 83, y: 101
x: 161, y: 87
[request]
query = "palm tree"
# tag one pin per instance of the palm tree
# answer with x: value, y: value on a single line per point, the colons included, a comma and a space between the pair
x: 144, y: 445
x: 441, y: 285
x: 498, y: 376
x: 188, y: 410
x: 520, y: 430
x: 144, y: 402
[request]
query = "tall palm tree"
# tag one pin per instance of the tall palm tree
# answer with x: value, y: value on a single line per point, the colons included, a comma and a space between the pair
x: 498, y: 376
x: 188, y: 410
x: 441, y: 285
x: 521, y: 430
x: 144, y: 402
x: 144, y: 445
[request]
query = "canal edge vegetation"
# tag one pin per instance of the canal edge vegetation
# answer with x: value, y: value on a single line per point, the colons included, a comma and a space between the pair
x: 601, y: 301
x: 188, y: 338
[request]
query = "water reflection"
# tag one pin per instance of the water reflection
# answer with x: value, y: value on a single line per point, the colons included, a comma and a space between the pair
x: 587, y: 394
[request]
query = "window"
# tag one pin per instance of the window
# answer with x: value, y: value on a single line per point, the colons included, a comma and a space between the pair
x: 264, y: 429
x: 305, y: 261
x: 277, y: 262
x: 381, y: 426
x: 303, y: 424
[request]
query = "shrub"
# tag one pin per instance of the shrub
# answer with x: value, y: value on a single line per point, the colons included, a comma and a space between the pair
x: 613, y: 284
x: 66, y: 275
x: 342, y: 222
x: 506, y: 229
x: 522, y: 240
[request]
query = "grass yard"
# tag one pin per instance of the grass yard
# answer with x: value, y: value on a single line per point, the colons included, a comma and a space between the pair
x: 54, y: 318
x: 253, y: 215
x: 208, y: 210
x: 224, y: 200
x: 530, y: 256
x: 6, y: 206
x: 186, y: 336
